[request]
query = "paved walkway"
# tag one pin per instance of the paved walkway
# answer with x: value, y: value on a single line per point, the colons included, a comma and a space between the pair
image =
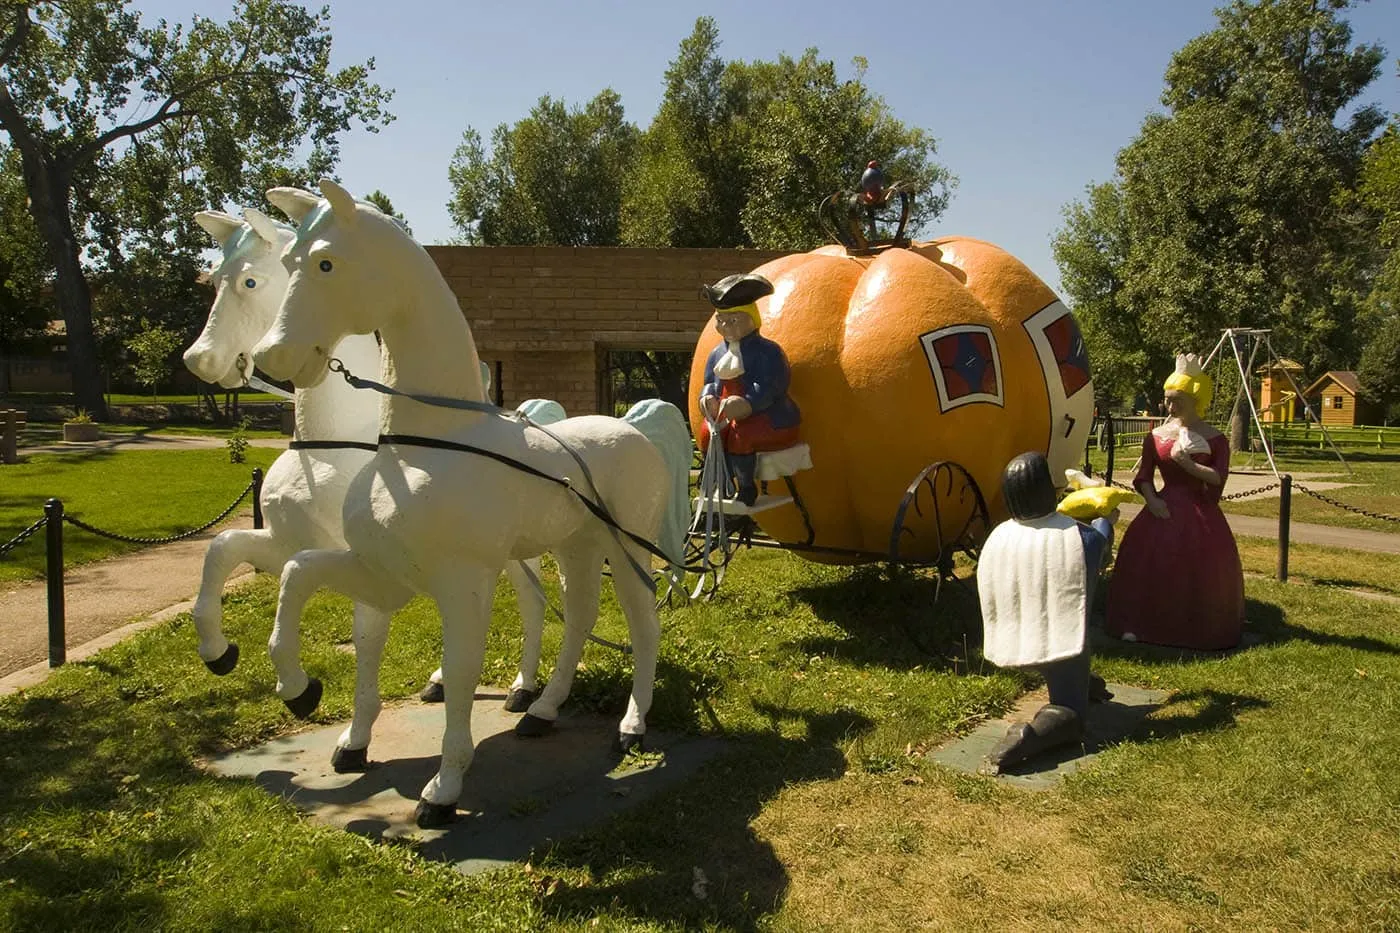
x: 149, y: 442
x: 101, y: 597
x: 1254, y: 526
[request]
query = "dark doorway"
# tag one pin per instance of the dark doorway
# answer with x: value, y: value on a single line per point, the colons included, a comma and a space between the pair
x: 626, y: 376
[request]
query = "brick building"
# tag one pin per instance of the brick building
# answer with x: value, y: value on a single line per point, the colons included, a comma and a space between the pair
x: 550, y: 316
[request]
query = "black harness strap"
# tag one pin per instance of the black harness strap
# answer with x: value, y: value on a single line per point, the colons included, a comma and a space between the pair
x: 597, y: 509
x: 332, y: 445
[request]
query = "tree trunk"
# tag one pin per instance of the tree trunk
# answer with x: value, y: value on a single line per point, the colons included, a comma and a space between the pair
x: 1239, y: 424
x: 49, y: 205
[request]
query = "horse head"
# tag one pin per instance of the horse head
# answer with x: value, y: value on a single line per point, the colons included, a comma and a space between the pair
x: 249, y: 282
x: 342, y: 280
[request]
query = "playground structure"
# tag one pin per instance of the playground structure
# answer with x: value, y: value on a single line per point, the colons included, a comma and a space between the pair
x: 1245, y: 344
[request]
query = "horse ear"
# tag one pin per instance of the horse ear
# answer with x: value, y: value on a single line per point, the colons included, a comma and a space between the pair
x: 218, y: 225
x: 263, y: 226
x: 296, y: 203
x: 342, y: 201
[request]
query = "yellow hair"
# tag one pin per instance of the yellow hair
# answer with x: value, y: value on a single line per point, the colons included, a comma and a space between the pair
x: 1198, y: 387
x: 751, y: 309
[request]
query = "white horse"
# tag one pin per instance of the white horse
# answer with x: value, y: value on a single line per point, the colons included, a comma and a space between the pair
x: 455, y: 493
x: 337, y: 431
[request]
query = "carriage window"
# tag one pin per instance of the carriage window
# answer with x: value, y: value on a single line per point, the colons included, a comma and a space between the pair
x: 965, y: 365
x: 1072, y: 359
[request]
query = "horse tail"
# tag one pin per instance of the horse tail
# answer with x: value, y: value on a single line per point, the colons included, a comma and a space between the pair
x: 541, y: 410
x: 664, y: 425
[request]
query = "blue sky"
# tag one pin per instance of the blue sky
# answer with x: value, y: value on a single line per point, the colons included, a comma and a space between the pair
x: 1029, y: 100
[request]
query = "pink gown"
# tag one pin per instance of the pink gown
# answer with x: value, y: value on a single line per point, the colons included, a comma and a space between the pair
x: 1177, y: 581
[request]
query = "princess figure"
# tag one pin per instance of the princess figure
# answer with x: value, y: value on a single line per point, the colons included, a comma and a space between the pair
x: 1178, y: 579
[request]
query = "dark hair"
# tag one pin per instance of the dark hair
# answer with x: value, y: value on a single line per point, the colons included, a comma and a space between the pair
x: 1028, y: 488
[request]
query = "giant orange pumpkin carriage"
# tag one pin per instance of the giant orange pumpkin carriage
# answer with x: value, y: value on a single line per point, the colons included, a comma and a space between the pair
x: 920, y: 370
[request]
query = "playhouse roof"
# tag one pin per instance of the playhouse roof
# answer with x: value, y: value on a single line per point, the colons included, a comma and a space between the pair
x: 1344, y: 378
x: 1284, y: 363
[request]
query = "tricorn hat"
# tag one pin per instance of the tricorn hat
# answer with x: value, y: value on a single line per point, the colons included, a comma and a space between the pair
x: 736, y: 291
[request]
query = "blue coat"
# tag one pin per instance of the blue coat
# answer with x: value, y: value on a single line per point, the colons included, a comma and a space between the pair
x: 766, y: 377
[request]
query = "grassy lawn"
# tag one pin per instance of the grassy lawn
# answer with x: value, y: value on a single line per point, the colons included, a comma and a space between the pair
x: 1323, y: 566
x: 1261, y: 797
x: 147, y: 493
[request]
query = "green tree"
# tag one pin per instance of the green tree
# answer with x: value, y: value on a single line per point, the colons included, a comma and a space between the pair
x: 740, y: 153
x: 554, y: 178
x: 691, y: 178
x: 87, y: 91
x: 1379, y: 370
x: 23, y: 310
x: 153, y: 347
x: 381, y: 200
x: 1229, y: 210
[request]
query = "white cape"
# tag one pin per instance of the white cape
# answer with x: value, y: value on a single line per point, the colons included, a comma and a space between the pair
x: 1031, y: 582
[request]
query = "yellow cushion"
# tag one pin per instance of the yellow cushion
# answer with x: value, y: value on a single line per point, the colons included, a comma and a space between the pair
x: 1095, y: 502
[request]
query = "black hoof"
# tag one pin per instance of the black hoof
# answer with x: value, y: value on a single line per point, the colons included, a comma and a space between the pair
x: 519, y: 700
x: 303, y: 706
x: 532, y: 727
x: 627, y: 741
x: 224, y: 662
x: 430, y: 815
x: 432, y: 693
x: 350, y: 760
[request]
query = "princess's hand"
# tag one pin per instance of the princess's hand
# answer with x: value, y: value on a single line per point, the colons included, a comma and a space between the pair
x: 1181, y: 456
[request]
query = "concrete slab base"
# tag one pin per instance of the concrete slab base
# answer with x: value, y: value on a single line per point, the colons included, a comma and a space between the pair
x: 1108, y: 723
x: 519, y: 793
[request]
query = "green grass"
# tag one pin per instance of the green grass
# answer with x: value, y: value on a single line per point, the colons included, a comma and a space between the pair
x: 143, y: 493
x: 1324, y: 566
x: 1261, y: 797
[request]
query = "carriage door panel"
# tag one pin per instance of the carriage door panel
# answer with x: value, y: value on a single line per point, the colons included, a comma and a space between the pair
x: 1064, y: 361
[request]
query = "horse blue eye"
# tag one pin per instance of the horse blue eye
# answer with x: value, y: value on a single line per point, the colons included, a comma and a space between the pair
x: 250, y: 283
x: 325, y: 265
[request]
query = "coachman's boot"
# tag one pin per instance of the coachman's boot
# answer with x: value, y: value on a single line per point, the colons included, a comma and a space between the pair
x: 743, y: 466
x: 1052, y: 727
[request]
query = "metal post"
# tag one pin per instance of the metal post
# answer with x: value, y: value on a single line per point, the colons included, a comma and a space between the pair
x: 257, y: 497
x: 53, y: 533
x: 500, y: 389
x: 1112, y: 443
x: 1285, y: 508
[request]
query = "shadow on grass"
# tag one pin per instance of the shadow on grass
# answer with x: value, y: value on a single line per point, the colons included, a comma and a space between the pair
x: 1194, y: 712
x: 899, y: 621
x: 1268, y: 625
x: 692, y: 858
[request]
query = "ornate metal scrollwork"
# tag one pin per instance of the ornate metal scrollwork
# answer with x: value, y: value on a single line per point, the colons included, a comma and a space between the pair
x: 853, y: 219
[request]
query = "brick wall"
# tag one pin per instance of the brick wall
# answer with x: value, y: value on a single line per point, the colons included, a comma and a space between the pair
x: 548, y: 314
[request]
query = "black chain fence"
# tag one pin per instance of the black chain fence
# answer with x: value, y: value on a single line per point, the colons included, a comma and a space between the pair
x: 23, y: 536
x: 132, y: 539
x: 1381, y: 516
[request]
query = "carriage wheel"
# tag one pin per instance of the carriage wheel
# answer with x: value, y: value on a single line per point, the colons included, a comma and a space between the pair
x: 938, y: 485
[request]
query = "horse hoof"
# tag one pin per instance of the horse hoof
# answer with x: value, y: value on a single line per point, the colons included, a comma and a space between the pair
x: 629, y: 741
x: 350, y: 760
x: 519, y: 699
x: 224, y: 662
x: 432, y: 693
x: 532, y: 727
x: 303, y: 706
x: 430, y: 815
